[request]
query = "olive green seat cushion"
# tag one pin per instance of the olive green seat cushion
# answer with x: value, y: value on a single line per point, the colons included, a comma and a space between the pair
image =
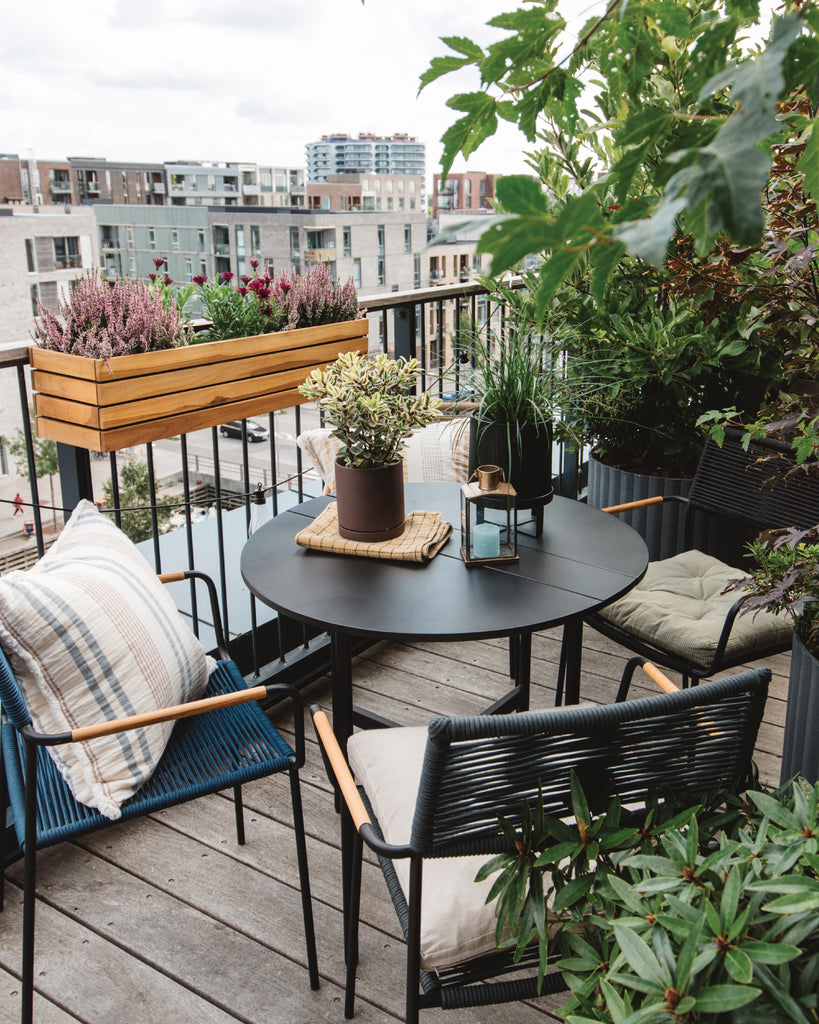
x: 679, y: 606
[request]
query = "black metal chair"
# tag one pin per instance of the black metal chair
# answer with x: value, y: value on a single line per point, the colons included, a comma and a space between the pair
x: 678, y: 615
x: 220, y: 741
x: 427, y: 801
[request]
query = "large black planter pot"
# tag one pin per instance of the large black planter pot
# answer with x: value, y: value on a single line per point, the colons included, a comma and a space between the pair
x: 662, y: 530
x: 800, y: 752
x: 528, y: 470
x: 370, y: 502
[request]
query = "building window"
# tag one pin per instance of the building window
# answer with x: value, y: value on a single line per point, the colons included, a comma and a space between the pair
x: 416, y: 271
x: 31, y: 258
x: 255, y: 240
x: 201, y: 240
x: 382, y: 273
x: 67, y: 253
x: 221, y: 241
x: 294, y: 239
x: 35, y: 296
x: 132, y: 266
x: 380, y: 233
x: 188, y: 269
x: 389, y: 203
x: 346, y: 241
x: 357, y: 272
x: 129, y: 236
x: 408, y: 238
x: 326, y: 202
x: 151, y: 238
x: 174, y: 239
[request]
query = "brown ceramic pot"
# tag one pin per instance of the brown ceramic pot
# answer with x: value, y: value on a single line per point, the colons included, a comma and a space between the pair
x: 370, y: 502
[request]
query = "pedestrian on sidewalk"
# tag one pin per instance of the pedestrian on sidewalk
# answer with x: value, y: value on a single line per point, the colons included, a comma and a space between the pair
x: 18, y: 503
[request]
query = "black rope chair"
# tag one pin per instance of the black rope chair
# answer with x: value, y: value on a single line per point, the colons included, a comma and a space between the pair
x: 678, y: 615
x: 219, y: 742
x: 430, y: 798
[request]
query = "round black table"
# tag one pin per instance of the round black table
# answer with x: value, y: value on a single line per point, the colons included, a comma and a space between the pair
x: 583, y: 559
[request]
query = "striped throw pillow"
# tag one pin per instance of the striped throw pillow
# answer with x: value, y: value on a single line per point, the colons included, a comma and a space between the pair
x: 93, y: 635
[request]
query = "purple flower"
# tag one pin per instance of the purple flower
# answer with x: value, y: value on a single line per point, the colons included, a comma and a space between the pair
x: 168, y: 280
x: 200, y: 279
x: 159, y: 261
x: 242, y: 291
x: 244, y: 278
x: 152, y: 276
x: 226, y: 276
x: 254, y: 263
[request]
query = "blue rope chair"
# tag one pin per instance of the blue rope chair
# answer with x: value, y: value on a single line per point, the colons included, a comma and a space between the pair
x: 448, y: 786
x: 220, y: 741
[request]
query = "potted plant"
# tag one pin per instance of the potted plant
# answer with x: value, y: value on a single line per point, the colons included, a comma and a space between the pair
x: 786, y: 579
x: 109, y: 371
x: 705, y: 914
x: 374, y: 407
x: 514, y: 379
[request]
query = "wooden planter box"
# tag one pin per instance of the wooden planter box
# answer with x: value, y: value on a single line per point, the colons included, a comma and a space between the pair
x: 153, y: 395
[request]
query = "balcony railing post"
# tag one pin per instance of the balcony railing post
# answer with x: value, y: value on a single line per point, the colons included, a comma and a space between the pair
x: 75, y: 476
x: 404, y: 331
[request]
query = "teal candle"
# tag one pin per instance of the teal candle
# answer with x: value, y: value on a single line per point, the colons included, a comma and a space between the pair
x: 486, y: 541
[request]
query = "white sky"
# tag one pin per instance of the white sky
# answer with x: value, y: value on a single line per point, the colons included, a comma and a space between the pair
x: 154, y: 80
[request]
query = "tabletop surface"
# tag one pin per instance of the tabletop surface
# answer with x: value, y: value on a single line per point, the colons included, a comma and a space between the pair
x: 584, y: 559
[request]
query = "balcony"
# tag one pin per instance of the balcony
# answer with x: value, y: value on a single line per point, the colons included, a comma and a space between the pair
x: 62, y: 186
x: 219, y: 895
x: 221, y: 248
x: 251, y: 190
x: 319, y: 255
x: 158, y: 187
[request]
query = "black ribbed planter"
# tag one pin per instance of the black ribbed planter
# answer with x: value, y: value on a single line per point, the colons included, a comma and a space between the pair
x: 800, y: 750
x: 528, y: 469
x: 661, y: 529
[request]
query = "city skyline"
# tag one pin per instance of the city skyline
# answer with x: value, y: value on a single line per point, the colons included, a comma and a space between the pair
x: 201, y: 80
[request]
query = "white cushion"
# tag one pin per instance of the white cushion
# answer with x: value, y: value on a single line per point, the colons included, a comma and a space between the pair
x: 93, y: 635
x: 679, y: 606
x: 456, y: 923
x: 437, y: 452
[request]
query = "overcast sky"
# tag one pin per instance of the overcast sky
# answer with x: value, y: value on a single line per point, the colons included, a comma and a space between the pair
x: 153, y: 80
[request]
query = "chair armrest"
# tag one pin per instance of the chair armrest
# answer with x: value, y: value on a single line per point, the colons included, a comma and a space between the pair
x: 218, y: 626
x: 336, y: 763
x: 651, y: 670
x: 658, y: 499
x: 175, y: 712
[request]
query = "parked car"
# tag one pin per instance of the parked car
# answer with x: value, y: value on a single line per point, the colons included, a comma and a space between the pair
x: 255, y: 430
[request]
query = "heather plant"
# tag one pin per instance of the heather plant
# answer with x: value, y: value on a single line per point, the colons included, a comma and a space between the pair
x: 102, y: 320
x: 314, y: 298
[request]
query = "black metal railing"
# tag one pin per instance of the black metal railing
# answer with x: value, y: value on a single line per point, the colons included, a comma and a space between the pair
x: 209, y: 480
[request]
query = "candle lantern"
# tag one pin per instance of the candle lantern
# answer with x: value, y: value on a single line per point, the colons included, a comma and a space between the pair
x: 489, y: 519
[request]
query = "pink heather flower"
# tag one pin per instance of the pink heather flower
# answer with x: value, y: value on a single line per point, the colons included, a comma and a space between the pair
x: 200, y: 279
x: 226, y: 276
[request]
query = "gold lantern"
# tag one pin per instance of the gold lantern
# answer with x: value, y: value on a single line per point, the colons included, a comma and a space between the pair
x: 489, y: 519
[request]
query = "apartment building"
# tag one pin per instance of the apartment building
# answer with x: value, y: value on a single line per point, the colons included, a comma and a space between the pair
x: 364, y: 154
x: 472, y: 190
x: 26, y: 181
x: 42, y: 249
x: 366, y: 192
x: 97, y: 180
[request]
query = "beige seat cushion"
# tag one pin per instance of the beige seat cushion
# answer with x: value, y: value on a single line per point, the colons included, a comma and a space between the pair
x: 456, y: 923
x: 437, y: 452
x: 679, y: 606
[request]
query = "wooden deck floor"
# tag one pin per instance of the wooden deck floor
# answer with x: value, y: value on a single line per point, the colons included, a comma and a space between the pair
x: 167, y: 921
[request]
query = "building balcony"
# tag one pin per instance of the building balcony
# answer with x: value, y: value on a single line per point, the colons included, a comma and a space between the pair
x: 319, y: 255
x: 60, y: 186
x: 158, y: 187
x: 251, y: 190
x: 221, y: 249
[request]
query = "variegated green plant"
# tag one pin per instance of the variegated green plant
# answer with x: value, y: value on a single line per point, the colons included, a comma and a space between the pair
x: 373, y: 404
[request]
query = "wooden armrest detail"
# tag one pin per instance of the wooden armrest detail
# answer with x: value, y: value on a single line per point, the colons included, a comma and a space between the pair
x: 660, y: 678
x: 171, y: 577
x: 341, y: 770
x: 193, y: 707
x: 642, y: 503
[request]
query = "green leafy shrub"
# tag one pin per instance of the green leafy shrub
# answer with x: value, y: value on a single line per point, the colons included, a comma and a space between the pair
x: 703, y: 915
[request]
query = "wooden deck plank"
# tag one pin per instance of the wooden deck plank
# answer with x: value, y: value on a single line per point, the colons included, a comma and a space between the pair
x: 193, y: 927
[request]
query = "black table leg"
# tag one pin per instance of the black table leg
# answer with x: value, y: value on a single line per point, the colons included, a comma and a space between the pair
x: 573, y: 649
x: 342, y: 696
